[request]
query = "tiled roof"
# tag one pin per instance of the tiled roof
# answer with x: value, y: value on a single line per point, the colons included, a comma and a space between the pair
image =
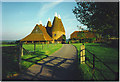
x: 38, y: 34
x: 57, y: 25
x: 82, y: 34
x: 41, y: 33
x: 47, y: 37
x: 49, y: 28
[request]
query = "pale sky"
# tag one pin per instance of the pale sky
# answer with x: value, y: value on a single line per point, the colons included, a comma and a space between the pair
x: 19, y: 18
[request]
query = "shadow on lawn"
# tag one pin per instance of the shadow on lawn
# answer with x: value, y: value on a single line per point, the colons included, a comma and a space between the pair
x: 10, y: 63
x: 52, y: 68
x: 34, y: 57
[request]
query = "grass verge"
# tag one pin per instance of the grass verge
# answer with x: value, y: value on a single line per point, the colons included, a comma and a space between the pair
x: 1, y: 45
x: 107, y: 54
x: 42, y: 50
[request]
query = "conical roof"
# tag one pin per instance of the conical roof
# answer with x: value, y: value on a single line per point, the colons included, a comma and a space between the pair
x: 49, y: 28
x: 49, y: 24
x: 57, y: 25
x: 38, y: 34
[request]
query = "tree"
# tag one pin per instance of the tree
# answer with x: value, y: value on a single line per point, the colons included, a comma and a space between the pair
x: 63, y: 38
x: 101, y: 16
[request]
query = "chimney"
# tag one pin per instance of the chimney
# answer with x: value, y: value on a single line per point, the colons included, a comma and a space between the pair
x: 48, y: 19
x: 59, y: 16
x: 40, y: 22
x: 55, y: 14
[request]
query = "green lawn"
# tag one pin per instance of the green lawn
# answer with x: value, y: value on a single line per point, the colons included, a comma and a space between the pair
x: 42, y: 51
x: 107, y: 54
x: 1, y: 45
x: 10, y: 57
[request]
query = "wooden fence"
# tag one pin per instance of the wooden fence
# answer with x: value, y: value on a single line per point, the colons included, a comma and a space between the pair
x: 94, y: 68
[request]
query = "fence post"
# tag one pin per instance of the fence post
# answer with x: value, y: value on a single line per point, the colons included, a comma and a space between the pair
x: 21, y: 49
x: 82, y: 54
x: 34, y: 47
x: 93, y: 66
x: 42, y: 45
x: 20, y: 54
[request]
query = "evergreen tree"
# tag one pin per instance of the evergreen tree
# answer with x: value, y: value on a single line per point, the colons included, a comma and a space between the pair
x: 101, y: 16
